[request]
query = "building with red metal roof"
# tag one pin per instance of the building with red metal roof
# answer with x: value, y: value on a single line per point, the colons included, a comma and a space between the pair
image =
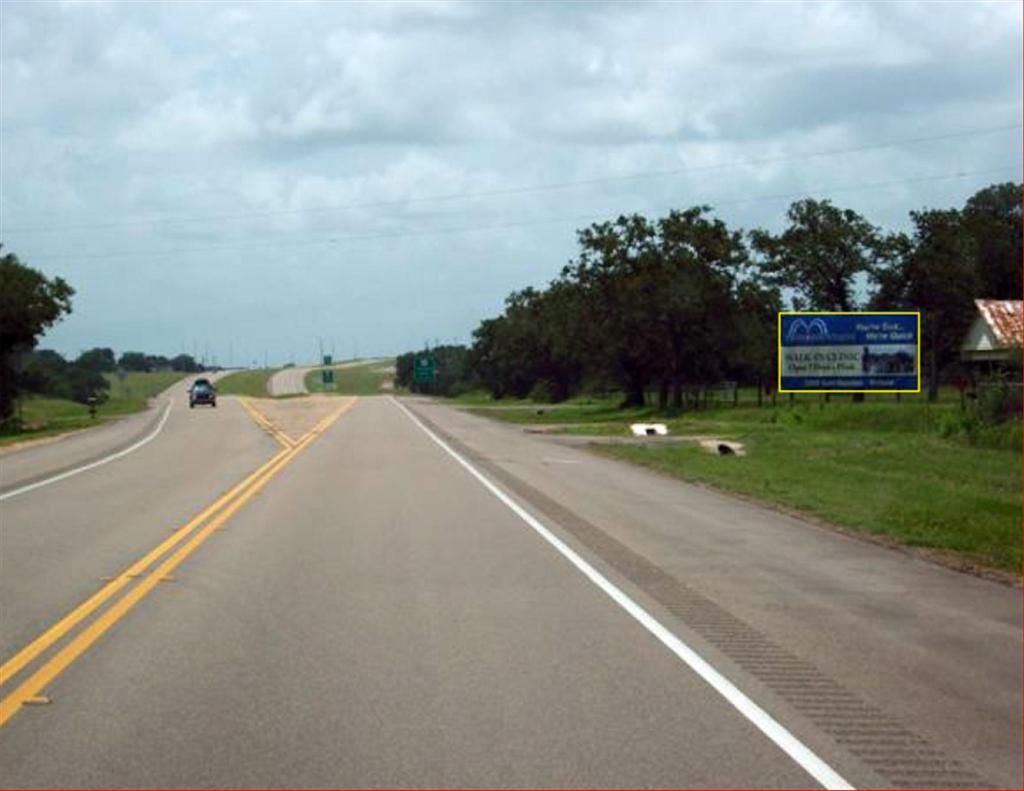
x: 996, y: 333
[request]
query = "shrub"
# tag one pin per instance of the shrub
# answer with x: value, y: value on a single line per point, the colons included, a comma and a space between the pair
x: 999, y: 400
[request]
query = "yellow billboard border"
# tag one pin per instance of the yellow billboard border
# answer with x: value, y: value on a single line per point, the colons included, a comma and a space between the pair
x: 782, y: 313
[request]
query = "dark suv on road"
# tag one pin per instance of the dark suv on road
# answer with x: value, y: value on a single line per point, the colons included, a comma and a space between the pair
x: 202, y: 392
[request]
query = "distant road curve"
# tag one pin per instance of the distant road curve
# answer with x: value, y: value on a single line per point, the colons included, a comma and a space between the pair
x: 37, y: 463
x: 289, y: 381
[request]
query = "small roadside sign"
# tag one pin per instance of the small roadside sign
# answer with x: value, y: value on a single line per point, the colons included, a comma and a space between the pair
x: 423, y: 369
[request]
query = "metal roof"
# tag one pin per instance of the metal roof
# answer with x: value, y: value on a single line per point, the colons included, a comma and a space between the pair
x: 1005, y: 318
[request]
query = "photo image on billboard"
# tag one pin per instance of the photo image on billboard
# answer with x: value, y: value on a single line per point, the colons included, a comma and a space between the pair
x: 843, y: 352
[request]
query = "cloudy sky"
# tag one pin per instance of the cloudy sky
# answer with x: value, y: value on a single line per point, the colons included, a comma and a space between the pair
x: 239, y: 179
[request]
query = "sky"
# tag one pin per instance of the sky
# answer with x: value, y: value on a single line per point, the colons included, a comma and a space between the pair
x: 247, y: 181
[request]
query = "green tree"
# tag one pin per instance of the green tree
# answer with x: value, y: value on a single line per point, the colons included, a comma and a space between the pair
x: 821, y: 254
x: 44, y: 372
x: 99, y: 360
x: 184, y: 362
x: 30, y: 303
x: 938, y: 276
x: 756, y: 353
x: 992, y: 218
x: 403, y: 369
x: 692, y: 299
x: 84, y: 384
x: 134, y: 361
x: 613, y: 271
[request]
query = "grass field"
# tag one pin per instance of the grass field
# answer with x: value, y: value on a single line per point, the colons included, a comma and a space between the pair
x: 246, y: 383
x: 367, y: 379
x: 877, y: 467
x: 44, y: 417
x: 136, y: 386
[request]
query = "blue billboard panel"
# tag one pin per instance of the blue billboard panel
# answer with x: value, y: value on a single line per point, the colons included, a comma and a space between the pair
x: 849, y: 352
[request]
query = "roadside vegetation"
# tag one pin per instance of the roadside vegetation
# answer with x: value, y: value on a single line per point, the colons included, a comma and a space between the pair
x: 42, y: 416
x: 879, y: 467
x: 370, y: 378
x: 126, y: 387
x: 252, y: 383
x: 675, y: 319
x: 661, y: 309
x: 41, y: 392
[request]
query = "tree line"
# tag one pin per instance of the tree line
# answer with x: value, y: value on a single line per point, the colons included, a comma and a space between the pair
x: 671, y: 305
x: 46, y: 372
x: 30, y: 303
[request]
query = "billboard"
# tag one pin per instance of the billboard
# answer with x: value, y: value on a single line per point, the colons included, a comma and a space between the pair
x: 834, y: 352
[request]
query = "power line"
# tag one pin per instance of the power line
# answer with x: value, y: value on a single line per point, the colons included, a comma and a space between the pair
x: 172, y: 220
x: 589, y: 217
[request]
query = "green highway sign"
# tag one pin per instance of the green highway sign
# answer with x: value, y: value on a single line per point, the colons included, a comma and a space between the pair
x: 327, y: 376
x: 423, y: 369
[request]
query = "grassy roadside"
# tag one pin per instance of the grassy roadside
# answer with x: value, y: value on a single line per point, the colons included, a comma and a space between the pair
x: 368, y: 379
x: 246, y: 383
x: 878, y: 467
x: 135, y: 388
x: 46, y: 417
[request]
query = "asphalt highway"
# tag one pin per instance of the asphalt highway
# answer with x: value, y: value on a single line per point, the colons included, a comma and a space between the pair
x: 330, y: 592
x: 289, y: 381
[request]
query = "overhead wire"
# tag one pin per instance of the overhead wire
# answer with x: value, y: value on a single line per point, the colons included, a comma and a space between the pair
x: 588, y: 217
x: 171, y: 220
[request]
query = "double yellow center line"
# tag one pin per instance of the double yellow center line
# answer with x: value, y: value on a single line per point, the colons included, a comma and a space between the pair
x: 195, y: 531
x: 266, y: 425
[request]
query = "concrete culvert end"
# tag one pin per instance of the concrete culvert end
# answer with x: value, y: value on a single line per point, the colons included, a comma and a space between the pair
x: 648, y: 429
x: 723, y: 447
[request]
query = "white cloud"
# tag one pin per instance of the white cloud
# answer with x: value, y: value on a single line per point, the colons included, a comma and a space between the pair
x: 135, y: 111
x: 191, y: 120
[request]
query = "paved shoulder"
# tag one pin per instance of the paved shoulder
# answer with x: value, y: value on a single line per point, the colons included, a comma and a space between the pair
x: 868, y: 646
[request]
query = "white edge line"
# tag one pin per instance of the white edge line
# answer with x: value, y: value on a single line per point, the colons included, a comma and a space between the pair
x: 99, y: 462
x: 762, y: 720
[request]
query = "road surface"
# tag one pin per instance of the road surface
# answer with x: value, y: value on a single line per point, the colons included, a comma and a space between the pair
x: 289, y: 381
x: 391, y: 592
x: 292, y: 381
